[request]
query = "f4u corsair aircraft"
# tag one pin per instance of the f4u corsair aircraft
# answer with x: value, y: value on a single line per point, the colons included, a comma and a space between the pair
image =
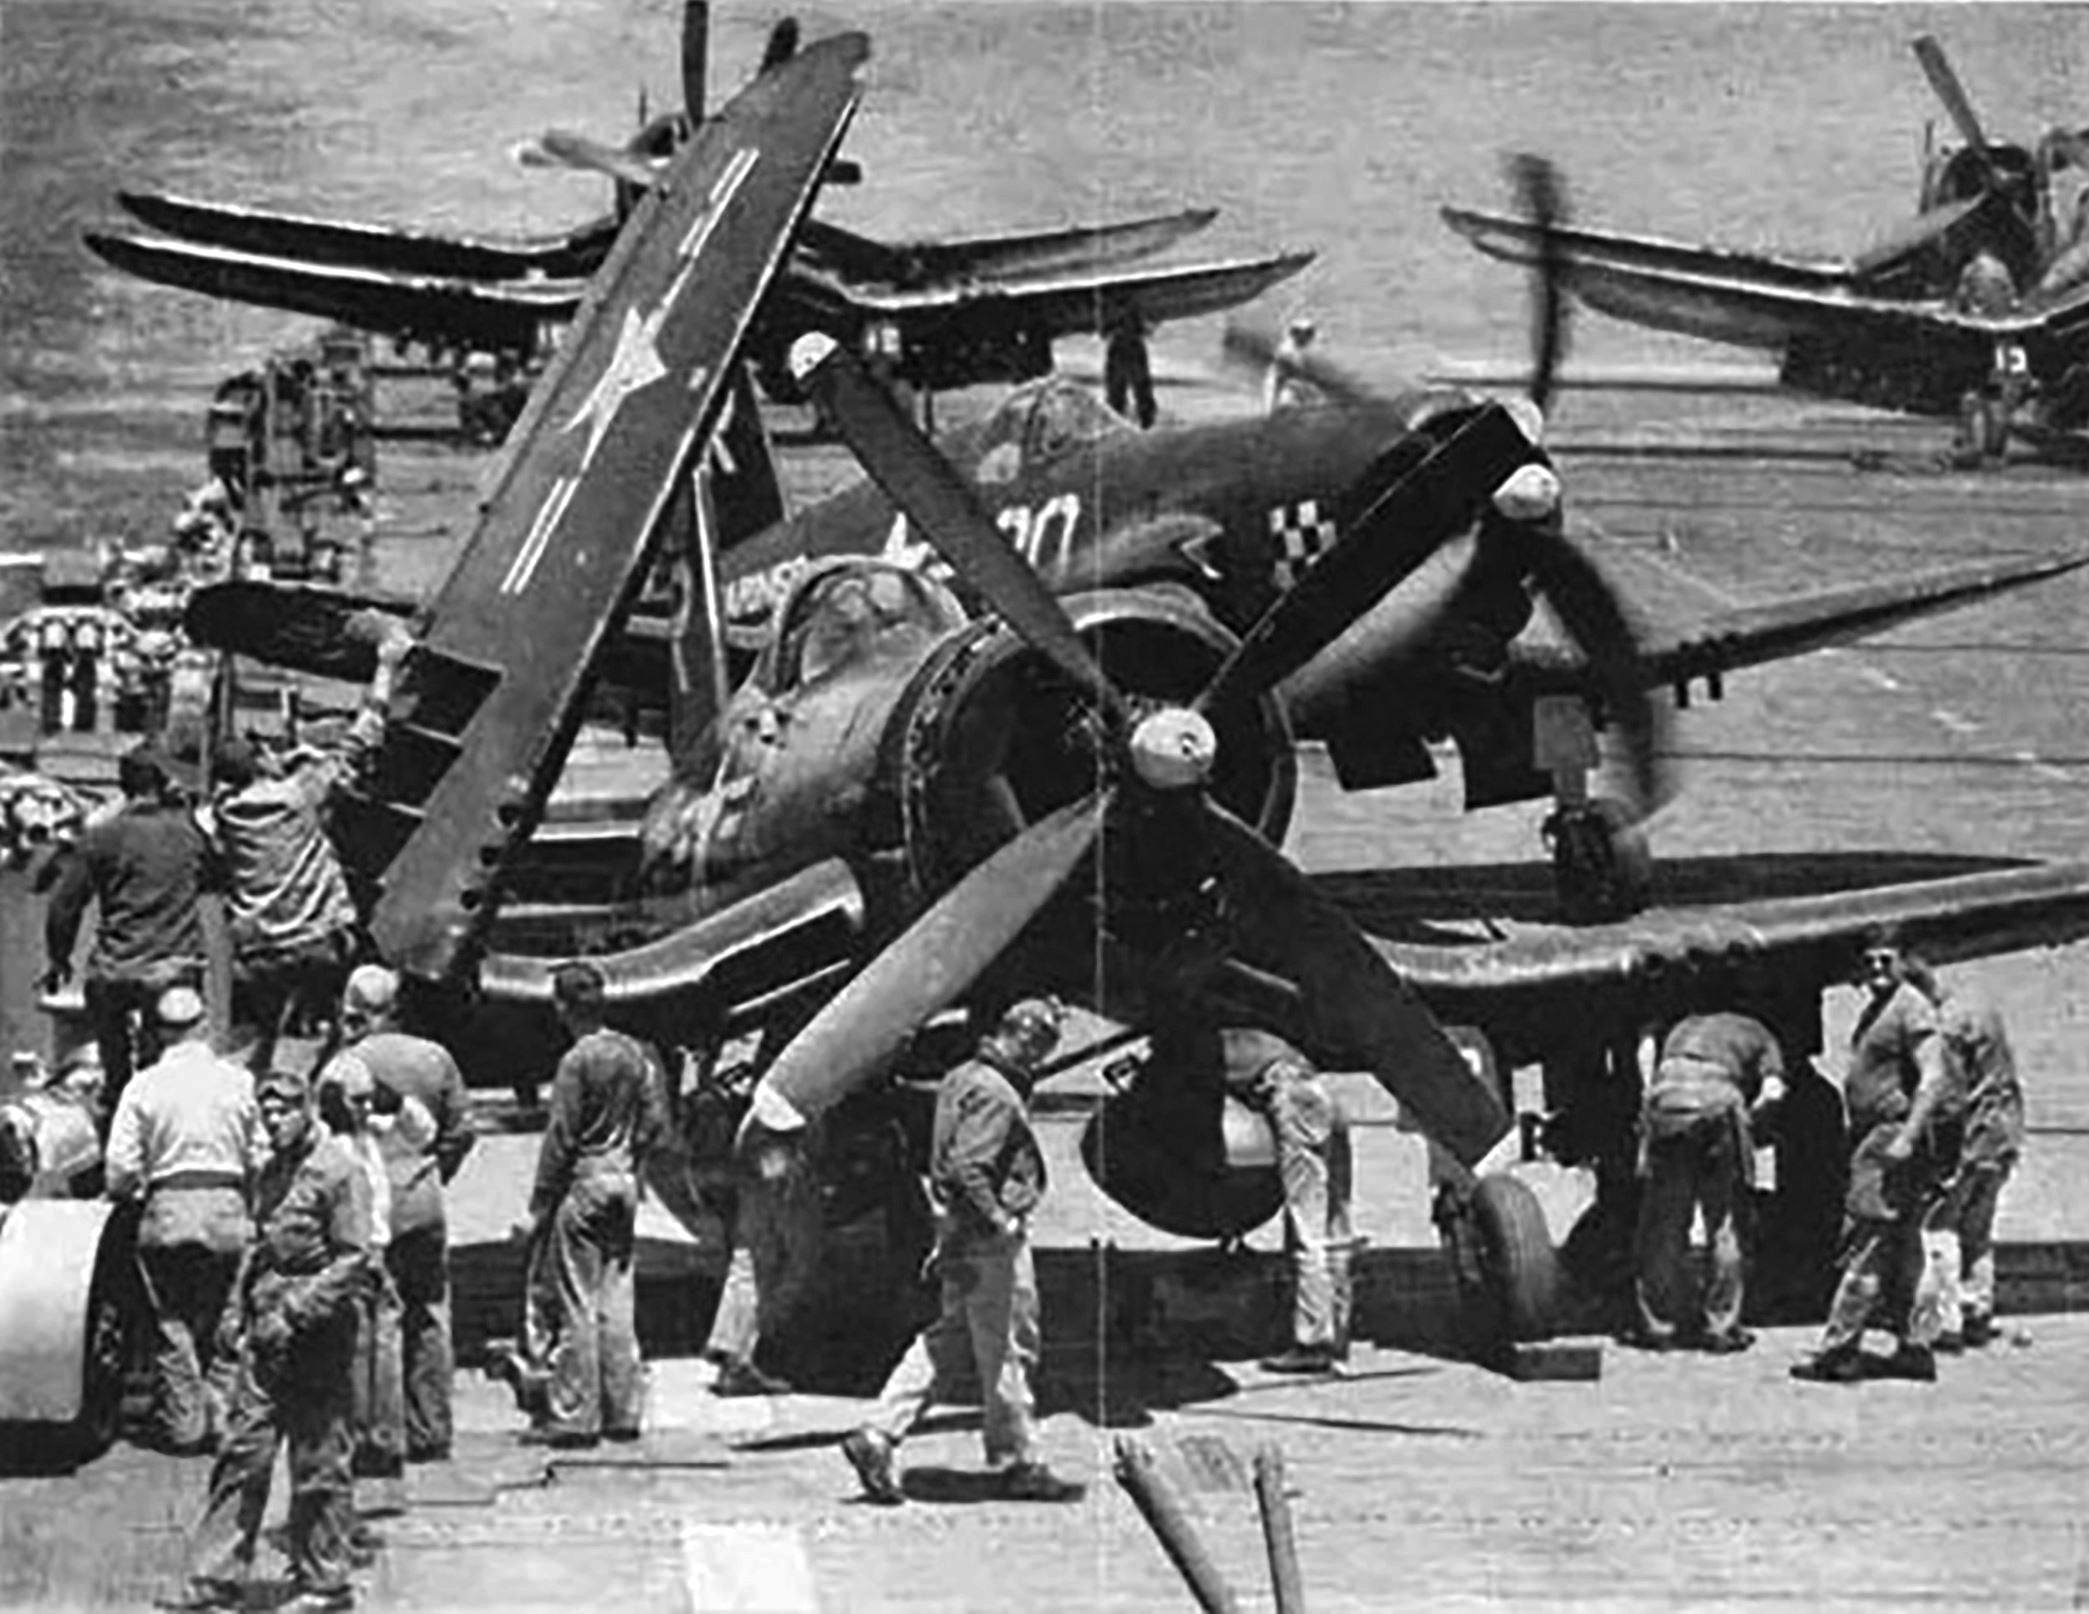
x: 935, y: 315
x: 910, y: 805
x: 1907, y: 325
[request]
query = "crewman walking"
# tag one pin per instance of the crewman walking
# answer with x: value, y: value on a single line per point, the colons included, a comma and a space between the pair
x: 145, y: 867
x: 988, y: 1174
x: 423, y: 1124
x: 309, y: 1268
x: 1289, y: 383
x: 1902, y: 1112
x: 608, y: 1115
x: 1717, y: 1078
x: 1313, y: 1162
x: 186, y: 1140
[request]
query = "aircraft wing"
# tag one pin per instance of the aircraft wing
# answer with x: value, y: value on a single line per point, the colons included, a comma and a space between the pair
x: 1085, y: 303
x: 1755, y: 300
x: 926, y: 264
x: 572, y: 256
x: 1749, y: 636
x: 496, y: 685
x: 496, y: 316
x: 1521, y: 991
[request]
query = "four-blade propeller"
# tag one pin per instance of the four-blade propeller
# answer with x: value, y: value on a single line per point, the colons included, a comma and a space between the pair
x: 1155, y: 770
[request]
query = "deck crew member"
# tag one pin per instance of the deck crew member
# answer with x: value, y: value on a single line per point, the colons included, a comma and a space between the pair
x: 608, y: 1115
x: 988, y: 1175
x: 1128, y: 368
x: 292, y: 919
x: 776, y: 1238
x: 422, y: 1118
x: 144, y: 867
x: 309, y: 1266
x: 1717, y: 1078
x: 1288, y: 384
x: 346, y: 1091
x: 1959, y: 1242
x: 1313, y: 1162
x: 1899, y: 1091
x: 186, y: 1140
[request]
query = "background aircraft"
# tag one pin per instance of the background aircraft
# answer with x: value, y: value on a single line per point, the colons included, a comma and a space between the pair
x: 934, y: 315
x: 1903, y: 325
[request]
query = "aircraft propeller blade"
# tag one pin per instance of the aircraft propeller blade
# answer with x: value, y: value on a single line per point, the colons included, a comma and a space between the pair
x: 1362, y: 1015
x: 1544, y: 204
x: 782, y: 46
x: 565, y: 149
x: 946, y: 510
x: 1416, y: 496
x: 928, y: 968
x: 696, y: 59
x: 1936, y: 67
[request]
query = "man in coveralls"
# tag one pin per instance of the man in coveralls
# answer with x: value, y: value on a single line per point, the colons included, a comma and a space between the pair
x: 1903, y: 1113
x: 186, y: 1141
x: 308, y: 1271
x: 988, y: 1175
x: 1718, y: 1077
x: 1313, y: 1162
x: 608, y: 1114
x: 1960, y: 1239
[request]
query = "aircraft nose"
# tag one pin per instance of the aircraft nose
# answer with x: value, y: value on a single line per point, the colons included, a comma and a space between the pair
x: 1531, y: 493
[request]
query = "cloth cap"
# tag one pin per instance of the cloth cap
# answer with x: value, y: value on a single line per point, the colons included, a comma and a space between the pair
x: 372, y: 988
x: 351, y: 1074
x: 180, y: 1006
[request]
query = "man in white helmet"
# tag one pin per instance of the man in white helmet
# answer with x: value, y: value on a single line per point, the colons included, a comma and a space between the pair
x: 1288, y: 385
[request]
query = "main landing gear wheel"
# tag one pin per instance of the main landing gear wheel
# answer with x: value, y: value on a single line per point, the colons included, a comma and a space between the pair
x: 1502, y: 1254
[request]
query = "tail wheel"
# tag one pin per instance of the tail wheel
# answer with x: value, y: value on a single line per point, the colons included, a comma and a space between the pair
x: 1507, y: 1264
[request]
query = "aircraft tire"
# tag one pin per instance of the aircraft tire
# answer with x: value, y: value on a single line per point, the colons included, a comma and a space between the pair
x: 1518, y: 1266
x: 107, y: 1352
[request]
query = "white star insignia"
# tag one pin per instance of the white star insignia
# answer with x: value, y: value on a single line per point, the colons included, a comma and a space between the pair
x: 635, y: 364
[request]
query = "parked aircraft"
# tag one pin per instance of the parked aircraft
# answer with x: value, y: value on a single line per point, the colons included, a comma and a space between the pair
x: 933, y: 315
x: 910, y: 804
x: 1977, y: 309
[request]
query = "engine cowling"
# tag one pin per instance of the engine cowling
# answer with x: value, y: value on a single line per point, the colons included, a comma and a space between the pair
x: 991, y: 737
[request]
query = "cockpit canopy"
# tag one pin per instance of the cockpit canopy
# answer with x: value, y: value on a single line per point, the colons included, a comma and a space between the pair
x: 1043, y: 421
x: 848, y: 611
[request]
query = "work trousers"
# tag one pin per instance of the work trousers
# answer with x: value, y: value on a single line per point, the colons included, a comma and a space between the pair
x: 1696, y: 1168
x: 777, y: 1234
x: 1882, y: 1248
x: 1959, y: 1247
x: 287, y: 988
x: 1313, y: 1162
x: 988, y: 1325
x: 309, y: 1403
x: 419, y: 1263
x: 379, y: 1394
x: 187, y: 1289
x: 597, y: 1379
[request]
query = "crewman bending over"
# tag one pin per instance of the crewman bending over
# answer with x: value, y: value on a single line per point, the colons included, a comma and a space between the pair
x: 1717, y: 1078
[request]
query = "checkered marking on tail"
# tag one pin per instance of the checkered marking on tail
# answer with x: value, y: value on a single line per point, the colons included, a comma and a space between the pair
x: 1302, y: 534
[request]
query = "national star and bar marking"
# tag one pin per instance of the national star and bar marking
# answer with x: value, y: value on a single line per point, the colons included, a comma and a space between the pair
x: 635, y: 365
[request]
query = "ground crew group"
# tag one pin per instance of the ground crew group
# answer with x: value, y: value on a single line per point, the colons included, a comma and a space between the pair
x: 1936, y: 1123
x: 292, y: 1233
